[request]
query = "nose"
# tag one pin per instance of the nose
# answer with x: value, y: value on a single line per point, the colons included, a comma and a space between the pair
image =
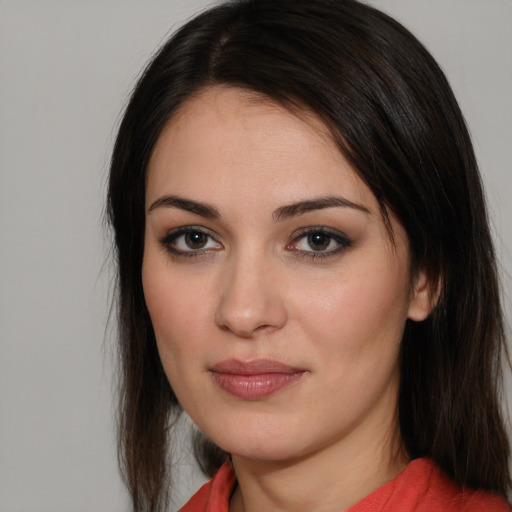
x: 251, y: 299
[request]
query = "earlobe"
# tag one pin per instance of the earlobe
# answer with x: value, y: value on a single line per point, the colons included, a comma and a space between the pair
x: 424, y: 297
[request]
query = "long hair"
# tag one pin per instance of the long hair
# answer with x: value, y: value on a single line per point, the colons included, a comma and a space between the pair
x: 391, y: 111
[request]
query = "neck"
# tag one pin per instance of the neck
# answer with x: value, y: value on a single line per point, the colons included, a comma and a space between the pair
x: 332, y: 479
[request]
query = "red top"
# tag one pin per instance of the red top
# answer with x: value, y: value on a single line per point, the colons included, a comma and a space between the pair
x: 421, y: 487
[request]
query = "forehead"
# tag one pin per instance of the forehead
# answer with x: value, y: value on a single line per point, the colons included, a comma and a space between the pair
x: 246, y: 144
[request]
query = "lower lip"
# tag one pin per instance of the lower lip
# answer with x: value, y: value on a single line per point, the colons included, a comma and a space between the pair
x: 255, y: 387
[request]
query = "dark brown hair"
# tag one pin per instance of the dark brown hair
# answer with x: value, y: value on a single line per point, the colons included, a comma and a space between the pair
x: 392, y: 113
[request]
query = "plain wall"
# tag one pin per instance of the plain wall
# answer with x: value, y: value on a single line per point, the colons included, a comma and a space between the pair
x: 66, y: 70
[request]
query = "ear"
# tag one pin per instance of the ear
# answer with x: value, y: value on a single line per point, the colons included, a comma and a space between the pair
x: 424, y: 297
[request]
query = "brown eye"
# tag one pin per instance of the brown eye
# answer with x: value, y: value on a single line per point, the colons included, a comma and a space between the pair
x: 196, y: 240
x: 190, y: 241
x: 318, y: 241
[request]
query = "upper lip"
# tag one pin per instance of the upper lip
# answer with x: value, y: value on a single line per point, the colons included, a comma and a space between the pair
x: 253, y: 367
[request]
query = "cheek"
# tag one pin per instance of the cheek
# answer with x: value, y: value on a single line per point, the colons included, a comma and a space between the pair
x: 172, y: 316
x: 355, y: 330
x: 173, y: 309
x: 357, y: 311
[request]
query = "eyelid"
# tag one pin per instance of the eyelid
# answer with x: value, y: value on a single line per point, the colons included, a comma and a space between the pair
x: 340, y: 238
x: 167, y: 240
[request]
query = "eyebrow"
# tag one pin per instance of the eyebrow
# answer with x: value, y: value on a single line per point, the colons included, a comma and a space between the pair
x: 202, y: 209
x: 302, y: 207
x: 282, y: 213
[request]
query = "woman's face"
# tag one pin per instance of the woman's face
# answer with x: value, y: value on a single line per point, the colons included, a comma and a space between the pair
x: 277, y: 298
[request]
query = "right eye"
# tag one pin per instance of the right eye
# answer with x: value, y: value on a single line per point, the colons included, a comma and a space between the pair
x: 190, y: 241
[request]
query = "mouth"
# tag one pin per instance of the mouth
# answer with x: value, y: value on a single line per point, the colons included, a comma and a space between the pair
x: 256, y: 379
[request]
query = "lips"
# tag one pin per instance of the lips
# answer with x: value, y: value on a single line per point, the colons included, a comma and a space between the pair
x: 256, y: 379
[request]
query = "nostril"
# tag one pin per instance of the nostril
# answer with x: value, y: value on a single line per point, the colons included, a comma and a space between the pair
x: 249, y: 334
x: 263, y: 318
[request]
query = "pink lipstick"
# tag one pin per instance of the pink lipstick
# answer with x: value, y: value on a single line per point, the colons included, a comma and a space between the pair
x: 254, y: 380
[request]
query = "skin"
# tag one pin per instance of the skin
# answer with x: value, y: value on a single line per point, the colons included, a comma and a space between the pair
x: 254, y: 286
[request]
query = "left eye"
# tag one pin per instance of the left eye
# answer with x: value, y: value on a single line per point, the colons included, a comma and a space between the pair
x: 320, y: 241
x: 190, y: 241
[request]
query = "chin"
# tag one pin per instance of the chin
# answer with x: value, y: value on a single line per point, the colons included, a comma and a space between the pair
x: 259, y: 442
x: 272, y: 452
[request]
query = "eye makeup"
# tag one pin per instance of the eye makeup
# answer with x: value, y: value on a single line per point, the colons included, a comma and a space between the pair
x: 313, y: 242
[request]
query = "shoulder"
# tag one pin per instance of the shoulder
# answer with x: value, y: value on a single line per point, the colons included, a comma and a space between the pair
x: 457, y: 498
x: 214, y: 495
x: 439, y: 492
x: 423, y: 487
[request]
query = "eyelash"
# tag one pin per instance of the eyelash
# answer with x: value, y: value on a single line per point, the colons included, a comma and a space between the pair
x: 333, y: 235
x: 168, y: 242
x: 170, y: 239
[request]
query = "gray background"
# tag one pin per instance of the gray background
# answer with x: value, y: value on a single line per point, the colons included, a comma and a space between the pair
x: 66, y: 69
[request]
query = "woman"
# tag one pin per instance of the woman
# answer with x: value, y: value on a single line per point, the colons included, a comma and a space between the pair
x: 305, y: 267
